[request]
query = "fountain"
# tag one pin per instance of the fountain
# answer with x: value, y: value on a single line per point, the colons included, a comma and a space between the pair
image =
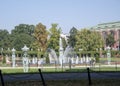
x: 25, y: 59
x: 64, y: 56
x: 108, y: 55
x: 61, y: 51
x: 52, y: 56
x: 67, y: 56
x: 13, y: 57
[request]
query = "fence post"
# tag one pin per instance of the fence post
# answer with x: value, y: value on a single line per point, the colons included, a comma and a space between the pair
x: 89, y: 77
x: 42, y: 77
x: 2, y: 81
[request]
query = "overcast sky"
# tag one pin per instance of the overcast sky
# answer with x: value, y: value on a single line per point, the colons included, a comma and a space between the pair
x: 67, y: 13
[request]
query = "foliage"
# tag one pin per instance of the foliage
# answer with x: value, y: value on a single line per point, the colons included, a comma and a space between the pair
x: 4, y: 36
x: 88, y: 40
x: 41, y: 35
x: 21, y: 40
x: 23, y: 28
x: 53, y: 41
x: 22, y: 34
x: 4, y: 60
x: 110, y: 40
x: 64, y: 43
x: 47, y: 60
x: 72, y: 39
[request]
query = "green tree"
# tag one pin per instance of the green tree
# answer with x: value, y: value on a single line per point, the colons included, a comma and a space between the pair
x: 23, y: 28
x: 21, y: 40
x: 41, y: 35
x: 54, y: 34
x: 72, y: 38
x: 4, y: 39
x: 88, y: 40
x: 22, y: 35
x: 110, y: 40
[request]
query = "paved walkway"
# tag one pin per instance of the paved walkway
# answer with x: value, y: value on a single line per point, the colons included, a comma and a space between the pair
x: 61, y: 76
x: 79, y: 66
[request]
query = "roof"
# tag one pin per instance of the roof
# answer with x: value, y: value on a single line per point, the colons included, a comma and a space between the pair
x: 109, y: 25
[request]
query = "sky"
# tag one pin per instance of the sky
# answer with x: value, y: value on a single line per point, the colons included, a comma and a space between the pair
x: 66, y: 13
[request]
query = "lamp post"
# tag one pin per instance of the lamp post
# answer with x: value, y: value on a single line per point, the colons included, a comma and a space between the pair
x: 38, y: 58
x: 13, y: 57
x: 81, y: 58
x: 4, y: 60
x: 25, y: 59
x: 2, y: 52
x: 108, y: 55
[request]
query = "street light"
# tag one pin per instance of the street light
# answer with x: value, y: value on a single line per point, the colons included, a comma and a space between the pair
x: 108, y: 55
x: 13, y: 57
x: 25, y: 59
x: 1, y: 50
x: 100, y: 52
x: 81, y: 59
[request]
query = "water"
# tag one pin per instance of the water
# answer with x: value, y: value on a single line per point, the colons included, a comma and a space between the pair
x: 63, y: 57
x: 52, y: 56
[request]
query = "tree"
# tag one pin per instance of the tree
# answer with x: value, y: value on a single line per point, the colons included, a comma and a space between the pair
x: 23, y: 28
x: 21, y: 40
x: 22, y: 35
x: 4, y: 35
x: 110, y: 40
x: 54, y: 34
x: 88, y: 40
x: 72, y: 38
x: 41, y: 35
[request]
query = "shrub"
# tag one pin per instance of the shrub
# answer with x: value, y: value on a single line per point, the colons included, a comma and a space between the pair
x: 4, y: 60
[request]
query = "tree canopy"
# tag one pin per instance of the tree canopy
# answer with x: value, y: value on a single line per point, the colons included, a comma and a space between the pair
x: 88, y: 40
x: 41, y: 35
x: 110, y: 40
x: 54, y: 34
x: 38, y: 37
x: 23, y: 28
x: 72, y: 38
x: 4, y: 36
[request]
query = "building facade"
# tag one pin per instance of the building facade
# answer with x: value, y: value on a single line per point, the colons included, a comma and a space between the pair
x: 112, y: 28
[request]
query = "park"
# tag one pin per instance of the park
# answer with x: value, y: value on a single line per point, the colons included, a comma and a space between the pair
x: 59, y: 43
x: 51, y: 54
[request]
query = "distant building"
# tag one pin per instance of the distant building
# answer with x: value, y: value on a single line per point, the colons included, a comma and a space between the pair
x: 112, y: 28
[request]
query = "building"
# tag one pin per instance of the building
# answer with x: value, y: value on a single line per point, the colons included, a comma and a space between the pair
x: 112, y: 28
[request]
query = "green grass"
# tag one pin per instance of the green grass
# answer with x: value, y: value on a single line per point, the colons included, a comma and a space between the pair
x: 32, y: 70
x: 106, y: 69
x: 52, y: 70
x: 113, y: 59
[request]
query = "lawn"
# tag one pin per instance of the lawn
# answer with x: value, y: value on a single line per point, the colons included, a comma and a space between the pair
x: 82, y: 82
x: 52, y: 70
